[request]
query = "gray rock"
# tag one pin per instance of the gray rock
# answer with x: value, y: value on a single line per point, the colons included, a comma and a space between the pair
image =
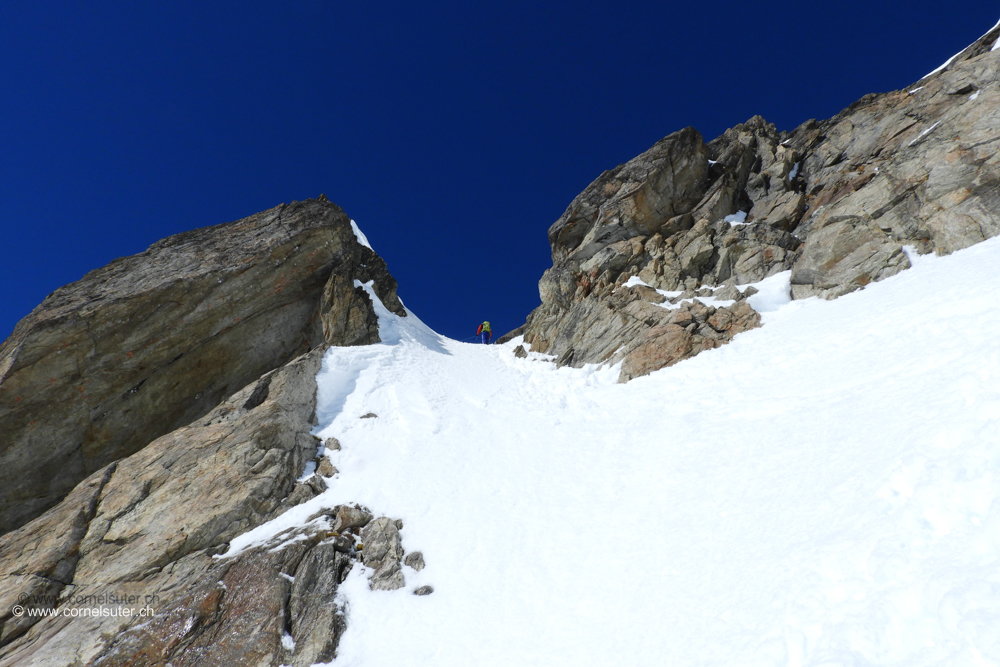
x: 342, y: 543
x: 520, y: 352
x: 325, y: 468
x: 230, y: 611
x: 381, y: 540
x: 646, y: 194
x: 370, y: 415
x: 415, y: 560
x: 424, y: 590
x: 316, y: 621
x: 625, y: 327
x: 149, y: 525
x: 117, y: 359
x: 728, y: 293
x: 835, y: 201
x: 843, y: 256
x: 348, y: 517
x: 388, y: 577
x: 332, y: 444
x: 900, y: 168
x: 304, y: 491
x: 383, y: 551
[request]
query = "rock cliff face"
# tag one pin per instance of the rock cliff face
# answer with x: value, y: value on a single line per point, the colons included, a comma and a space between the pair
x: 197, y: 361
x: 152, y: 342
x: 147, y: 530
x: 834, y: 202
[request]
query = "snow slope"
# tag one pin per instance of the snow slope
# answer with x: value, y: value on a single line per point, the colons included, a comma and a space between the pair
x: 821, y: 491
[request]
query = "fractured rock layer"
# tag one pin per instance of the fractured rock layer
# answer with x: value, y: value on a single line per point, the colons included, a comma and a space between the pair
x: 148, y: 525
x: 152, y: 342
x: 834, y: 202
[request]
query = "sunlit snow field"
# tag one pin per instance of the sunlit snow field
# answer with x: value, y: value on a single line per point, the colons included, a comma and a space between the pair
x: 821, y: 491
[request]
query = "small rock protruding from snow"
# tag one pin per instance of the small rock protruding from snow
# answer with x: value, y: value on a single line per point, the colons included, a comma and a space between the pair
x: 332, y: 444
x: 414, y: 559
x: 325, y: 468
x: 424, y: 590
x: 370, y: 415
x: 348, y: 517
x: 383, y: 551
x: 520, y: 352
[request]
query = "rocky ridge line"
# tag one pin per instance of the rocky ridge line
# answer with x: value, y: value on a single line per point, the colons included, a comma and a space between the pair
x: 834, y: 202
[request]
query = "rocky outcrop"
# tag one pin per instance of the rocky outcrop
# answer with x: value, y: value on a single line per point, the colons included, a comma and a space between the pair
x: 914, y: 167
x: 149, y: 525
x: 134, y: 563
x: 150, y: 534
x: 153, y: 342
x: 660, y: 219
x: 383, y: 551
x: 834, y: 202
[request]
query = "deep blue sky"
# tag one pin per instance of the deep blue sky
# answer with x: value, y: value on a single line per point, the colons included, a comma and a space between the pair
x: 454, y: 133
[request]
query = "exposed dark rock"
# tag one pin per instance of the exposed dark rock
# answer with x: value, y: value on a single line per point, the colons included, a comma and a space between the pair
x: 520, y: 352
x: 305, y: 490
x: 424, y: 590
x: 236, y: 612
x: 153, y: 342
x: 149, y: 525
x: 843, y: 256
x: 259, y: 394
x: 369, y: 415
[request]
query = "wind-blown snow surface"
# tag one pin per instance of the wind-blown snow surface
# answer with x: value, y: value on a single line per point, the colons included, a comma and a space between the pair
x: 820, y: 491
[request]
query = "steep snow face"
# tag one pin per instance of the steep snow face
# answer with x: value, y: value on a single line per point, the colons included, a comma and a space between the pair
x: 821, y: 491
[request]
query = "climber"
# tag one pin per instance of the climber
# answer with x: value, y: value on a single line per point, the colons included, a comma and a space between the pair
x: 484, y: 333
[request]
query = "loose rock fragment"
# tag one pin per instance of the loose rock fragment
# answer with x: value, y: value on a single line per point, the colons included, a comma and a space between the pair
x: 348, y: 517
x: 415, y: 560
